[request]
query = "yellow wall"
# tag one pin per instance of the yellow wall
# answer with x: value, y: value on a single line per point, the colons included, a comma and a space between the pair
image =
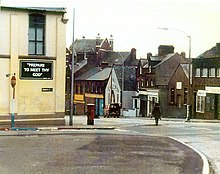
x: 30, y: 99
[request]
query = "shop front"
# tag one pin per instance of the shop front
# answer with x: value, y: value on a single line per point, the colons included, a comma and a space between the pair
x: 208, y: 103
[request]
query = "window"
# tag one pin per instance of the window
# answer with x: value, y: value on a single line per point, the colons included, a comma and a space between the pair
x: 212, y: 72
x: 147, y: 83
x: 81, y: 88
x: 36, y: 34
x: 152, y: 83
x: 142, y: 83
x: 218, y: 72
x: 200, y: 103
x: 198, y: 71
x: 210, y: 102
x: 204, y: 72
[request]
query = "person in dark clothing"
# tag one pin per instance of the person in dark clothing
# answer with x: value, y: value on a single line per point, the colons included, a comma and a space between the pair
x: 156, y: 113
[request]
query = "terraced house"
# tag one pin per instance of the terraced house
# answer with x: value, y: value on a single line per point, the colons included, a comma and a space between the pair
x: 206, y: 84
x: 32, y: 51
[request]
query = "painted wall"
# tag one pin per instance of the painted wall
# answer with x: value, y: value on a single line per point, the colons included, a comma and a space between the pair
x: 29, y: 98
x: 112, y: 85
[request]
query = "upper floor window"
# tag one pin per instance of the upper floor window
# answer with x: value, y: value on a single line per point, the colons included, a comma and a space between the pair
x: 152, y: 83
x: 204, y: 72
x: 198, y: 71
x: 142, y: 83
x: 212, y: 72
x: 36, y: 34
x: 218, y: 72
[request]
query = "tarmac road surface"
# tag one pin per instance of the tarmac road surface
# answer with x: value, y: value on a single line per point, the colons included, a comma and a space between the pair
x: 96, y: 153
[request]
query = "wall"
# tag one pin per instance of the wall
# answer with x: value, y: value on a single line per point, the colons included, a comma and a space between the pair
x: 30, y: 101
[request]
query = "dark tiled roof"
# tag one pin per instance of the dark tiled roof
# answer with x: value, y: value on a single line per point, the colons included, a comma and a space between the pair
x: 166, y: 68
x: 86, y: 45
x: 42, y: 9
x: 209, y: 53
x: 165, y: 59
x: 101, y: 75
x: 185, y: 68
x: 116, y: 58
x: 143, y: 62
x: 79, y: 65
x: 133, y: 63
x: 129, y: 77
x: 88, y: 73
x: 95, y: 73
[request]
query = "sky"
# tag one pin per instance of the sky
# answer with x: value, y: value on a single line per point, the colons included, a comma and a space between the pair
x: 135, y: 23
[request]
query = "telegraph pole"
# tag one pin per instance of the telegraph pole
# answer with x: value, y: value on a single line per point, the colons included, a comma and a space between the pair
x: 72, y: 77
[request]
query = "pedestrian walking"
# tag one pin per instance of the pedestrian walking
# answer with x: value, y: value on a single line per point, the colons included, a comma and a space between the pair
x: 156, y: 113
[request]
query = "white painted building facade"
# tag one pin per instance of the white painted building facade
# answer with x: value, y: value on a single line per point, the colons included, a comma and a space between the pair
x: 33, y: 49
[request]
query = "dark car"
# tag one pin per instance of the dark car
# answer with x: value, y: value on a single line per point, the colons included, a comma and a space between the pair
x: 114, y: 110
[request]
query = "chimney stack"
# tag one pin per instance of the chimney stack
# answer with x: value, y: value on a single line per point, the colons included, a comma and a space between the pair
x: 133, y: 54
x: 183, y: 54
x: 163, y: 50
x: 111, y: 42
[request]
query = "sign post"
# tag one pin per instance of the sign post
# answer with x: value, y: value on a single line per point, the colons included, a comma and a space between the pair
x: 13, y: 83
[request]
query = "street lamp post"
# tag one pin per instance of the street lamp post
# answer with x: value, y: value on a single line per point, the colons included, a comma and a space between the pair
x: 189, y: 81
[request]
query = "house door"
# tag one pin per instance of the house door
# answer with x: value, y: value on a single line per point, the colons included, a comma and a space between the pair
x: 216, y: 106
x: 99, y: 106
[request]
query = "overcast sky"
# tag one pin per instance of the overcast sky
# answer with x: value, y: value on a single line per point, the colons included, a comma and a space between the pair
x: 134, y: 23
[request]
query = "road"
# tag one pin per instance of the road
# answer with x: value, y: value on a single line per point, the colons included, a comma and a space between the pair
x: 202, y: 136
x: 57, y: 150
x: 88, y: 152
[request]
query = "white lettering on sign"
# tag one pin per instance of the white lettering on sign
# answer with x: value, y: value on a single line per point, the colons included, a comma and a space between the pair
x: 35, y: 69
x: 45, y: 69
x: 42, y: 65
x: 26, y: 69
x: 37, y: 74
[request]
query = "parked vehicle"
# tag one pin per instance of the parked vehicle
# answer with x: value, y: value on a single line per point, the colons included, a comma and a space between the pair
x: 114, y: 110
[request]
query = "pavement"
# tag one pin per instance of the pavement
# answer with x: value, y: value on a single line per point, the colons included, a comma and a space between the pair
x: 80, y: 122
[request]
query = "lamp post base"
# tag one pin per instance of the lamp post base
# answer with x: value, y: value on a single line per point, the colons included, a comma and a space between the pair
x: 187, y: 113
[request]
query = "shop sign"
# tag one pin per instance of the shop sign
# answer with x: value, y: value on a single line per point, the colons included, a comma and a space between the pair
x: 201, y: 93
x: 36, y: 70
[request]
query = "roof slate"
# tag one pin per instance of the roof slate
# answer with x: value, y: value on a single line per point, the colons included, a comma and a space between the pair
x: 129, y: 77
x: 88, y: 73
x: 96, y: 74
x: 116, y: 58
x: 42, y: 9
x: 86, y: 45
x: 165, y: 69
x: 101, y: 75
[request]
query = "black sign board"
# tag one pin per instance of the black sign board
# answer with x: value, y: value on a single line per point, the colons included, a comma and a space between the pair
x: 36, y: 70
x: 47, y: 89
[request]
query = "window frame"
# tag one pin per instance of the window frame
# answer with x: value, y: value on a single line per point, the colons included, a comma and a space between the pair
x: 218, y: 72
x: 198, y: 72
x: 36, y: 44
x: 204, y: 72
x: 200, y: 104
x: 212, y: 73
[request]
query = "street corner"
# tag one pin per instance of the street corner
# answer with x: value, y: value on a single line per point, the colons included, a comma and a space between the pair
x: 205, y: 162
